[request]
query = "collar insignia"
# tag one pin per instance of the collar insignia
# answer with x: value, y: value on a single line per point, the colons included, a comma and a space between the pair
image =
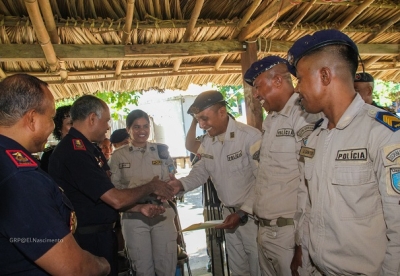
x: 20, y: 158
x: 78, y: 144
x: 232, y: 134
x: 388, y: 119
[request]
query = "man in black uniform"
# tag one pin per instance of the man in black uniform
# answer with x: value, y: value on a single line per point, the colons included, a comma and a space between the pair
x: 35, y: 229
x: 76, y: 164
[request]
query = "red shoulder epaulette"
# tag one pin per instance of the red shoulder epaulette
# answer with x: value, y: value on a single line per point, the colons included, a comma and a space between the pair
x: 78, y: 144
x: 21, y: 159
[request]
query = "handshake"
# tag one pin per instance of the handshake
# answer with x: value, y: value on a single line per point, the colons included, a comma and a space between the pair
x: 165, y: 190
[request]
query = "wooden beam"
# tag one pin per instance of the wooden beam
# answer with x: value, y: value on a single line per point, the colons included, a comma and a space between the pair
x: 379, y: 5
x: 250, y: 11
x: 354, y: 14
x: 299, y: 18
x: 269, y: 15
x: 49, y: 20
x: 253, y: 106
x: 219, y: 62
x: 76, y: 52
x: 386, y: 26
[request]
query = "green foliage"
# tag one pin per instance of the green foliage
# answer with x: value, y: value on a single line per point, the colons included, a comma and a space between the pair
x: 64, y: 102
x: 234, y: 96
x: 119, y: 100
x: 386, y: 93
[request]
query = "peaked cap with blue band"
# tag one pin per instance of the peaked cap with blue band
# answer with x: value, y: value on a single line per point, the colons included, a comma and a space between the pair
x: 308, y: 43
x: 205, y: 100
x: 261, y: 66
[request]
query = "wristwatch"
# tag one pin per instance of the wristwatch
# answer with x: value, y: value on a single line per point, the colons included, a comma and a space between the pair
x: 243, y: 217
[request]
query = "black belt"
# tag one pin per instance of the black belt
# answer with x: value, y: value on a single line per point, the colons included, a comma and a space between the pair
x: 94, y: 229
x: 280, y: 222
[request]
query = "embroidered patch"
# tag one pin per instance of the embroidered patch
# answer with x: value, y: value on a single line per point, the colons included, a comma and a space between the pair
x: 163, y: 151
x: 305, y: 131
x: 388, y: 119
x: 395, y: 180
x: 352, y: 154
x: 156, y: 162
x: 307, y: 152
x: 235, y: 155
x: 205, y: 155
x: 21, y: 159
x: 393, y: 155
x: 285, y: 132
x: 124, y: 165
x: 78, y: 144
x: 232, y: 134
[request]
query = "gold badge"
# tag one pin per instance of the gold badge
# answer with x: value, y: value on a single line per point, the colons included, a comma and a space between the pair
x: 20, y: 158
x: 307, y: 152
x: 156, y: 162
x: 73, y: 222
x: 78, y: 144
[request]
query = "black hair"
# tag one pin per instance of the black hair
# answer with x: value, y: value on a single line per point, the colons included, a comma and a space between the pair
x: 136, y: 114
x: 20, y: 93
x: 62, y: 113
x: 86, y: 105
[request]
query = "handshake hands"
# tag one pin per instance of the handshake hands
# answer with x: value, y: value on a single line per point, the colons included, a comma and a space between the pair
x: 165, y: 190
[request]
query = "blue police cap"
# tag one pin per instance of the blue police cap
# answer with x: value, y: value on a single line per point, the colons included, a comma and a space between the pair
x: 119, y: 135
x: 205, y: 100
x: 261, y: 66
x: 308, y: 43
x: 363, y: 77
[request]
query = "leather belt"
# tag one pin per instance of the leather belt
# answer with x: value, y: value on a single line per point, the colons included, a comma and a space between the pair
x: 280, y: 222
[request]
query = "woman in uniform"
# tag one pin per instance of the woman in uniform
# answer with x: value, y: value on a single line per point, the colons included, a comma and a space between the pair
x: 151, y: 242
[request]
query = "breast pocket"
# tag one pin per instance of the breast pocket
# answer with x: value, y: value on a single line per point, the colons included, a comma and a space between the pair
x: 210, y: 164
x: 238, y: 166
x: 356, y: 188
x: 283, y: 156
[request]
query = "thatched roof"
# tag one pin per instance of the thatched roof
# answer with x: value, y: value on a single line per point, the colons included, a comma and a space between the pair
x: 83, y: 46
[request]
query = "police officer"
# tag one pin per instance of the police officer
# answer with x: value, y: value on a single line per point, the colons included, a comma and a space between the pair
x: 151, y: 242
x: 280, y: 182
x: 352, y: 163
x: 35, y: 229
x: 119, y: 138
x: 364, y: 85
x: 62, y: 124
x: 229, y: 154
x: 77, y: 166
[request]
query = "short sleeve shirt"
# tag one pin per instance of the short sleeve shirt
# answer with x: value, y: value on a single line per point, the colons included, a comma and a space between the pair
x: 34, y: 213
x: 78, y: 167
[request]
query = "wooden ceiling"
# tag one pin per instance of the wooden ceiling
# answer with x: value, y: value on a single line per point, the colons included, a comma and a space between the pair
x: 83, y: 46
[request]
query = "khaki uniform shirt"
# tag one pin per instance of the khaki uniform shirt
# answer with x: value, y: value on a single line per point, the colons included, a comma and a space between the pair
x: 353, y: 173
x: 131, y: 166
x: 280, y: 182
x: 232, y: 165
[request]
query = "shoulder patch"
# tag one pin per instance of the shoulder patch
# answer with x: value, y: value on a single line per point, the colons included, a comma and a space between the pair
x: 388, y: 119
x: 21, y: 159
x: 163, y: 151
x: 78, y: 144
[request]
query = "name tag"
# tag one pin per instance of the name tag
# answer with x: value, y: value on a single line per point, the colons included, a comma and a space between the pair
x: 124, y: 165
x: 352, y: 154
x: 307, y: 152
x: 285, y: 132
x: 156, y: 162
x: 234, y: 156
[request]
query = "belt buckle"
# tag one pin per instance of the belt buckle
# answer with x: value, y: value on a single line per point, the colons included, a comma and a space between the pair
x: 280, y: 222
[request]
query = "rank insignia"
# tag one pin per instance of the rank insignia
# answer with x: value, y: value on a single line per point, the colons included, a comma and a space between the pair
x: 78, y: 144
x: 99, y: 161
x: 232, y: 134
x: 156, y: 162
x: 73, y: 222
x: 395, y: 180
x: 388, y: 119
x: 21, y: 159
x: 307, y: 152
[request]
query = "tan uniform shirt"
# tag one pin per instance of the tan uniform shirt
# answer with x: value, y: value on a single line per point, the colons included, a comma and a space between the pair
x: 353, y: 174
x: 231, y: 165
x: 131, y: 166
x: 280, y: 181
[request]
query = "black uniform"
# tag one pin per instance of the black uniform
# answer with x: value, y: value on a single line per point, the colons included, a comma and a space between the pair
x: 44, y: 160
x: 34, y: 213
x: 79, y: 168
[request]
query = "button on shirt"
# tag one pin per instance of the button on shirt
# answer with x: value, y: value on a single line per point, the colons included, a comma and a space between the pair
x: 78, y: 167
x: 232, y: 165
x: 353, y: 177
x: 279, y: 179
x: 34, y: 214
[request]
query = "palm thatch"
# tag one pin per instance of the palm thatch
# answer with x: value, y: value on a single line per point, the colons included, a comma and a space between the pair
x: 83, y: 46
